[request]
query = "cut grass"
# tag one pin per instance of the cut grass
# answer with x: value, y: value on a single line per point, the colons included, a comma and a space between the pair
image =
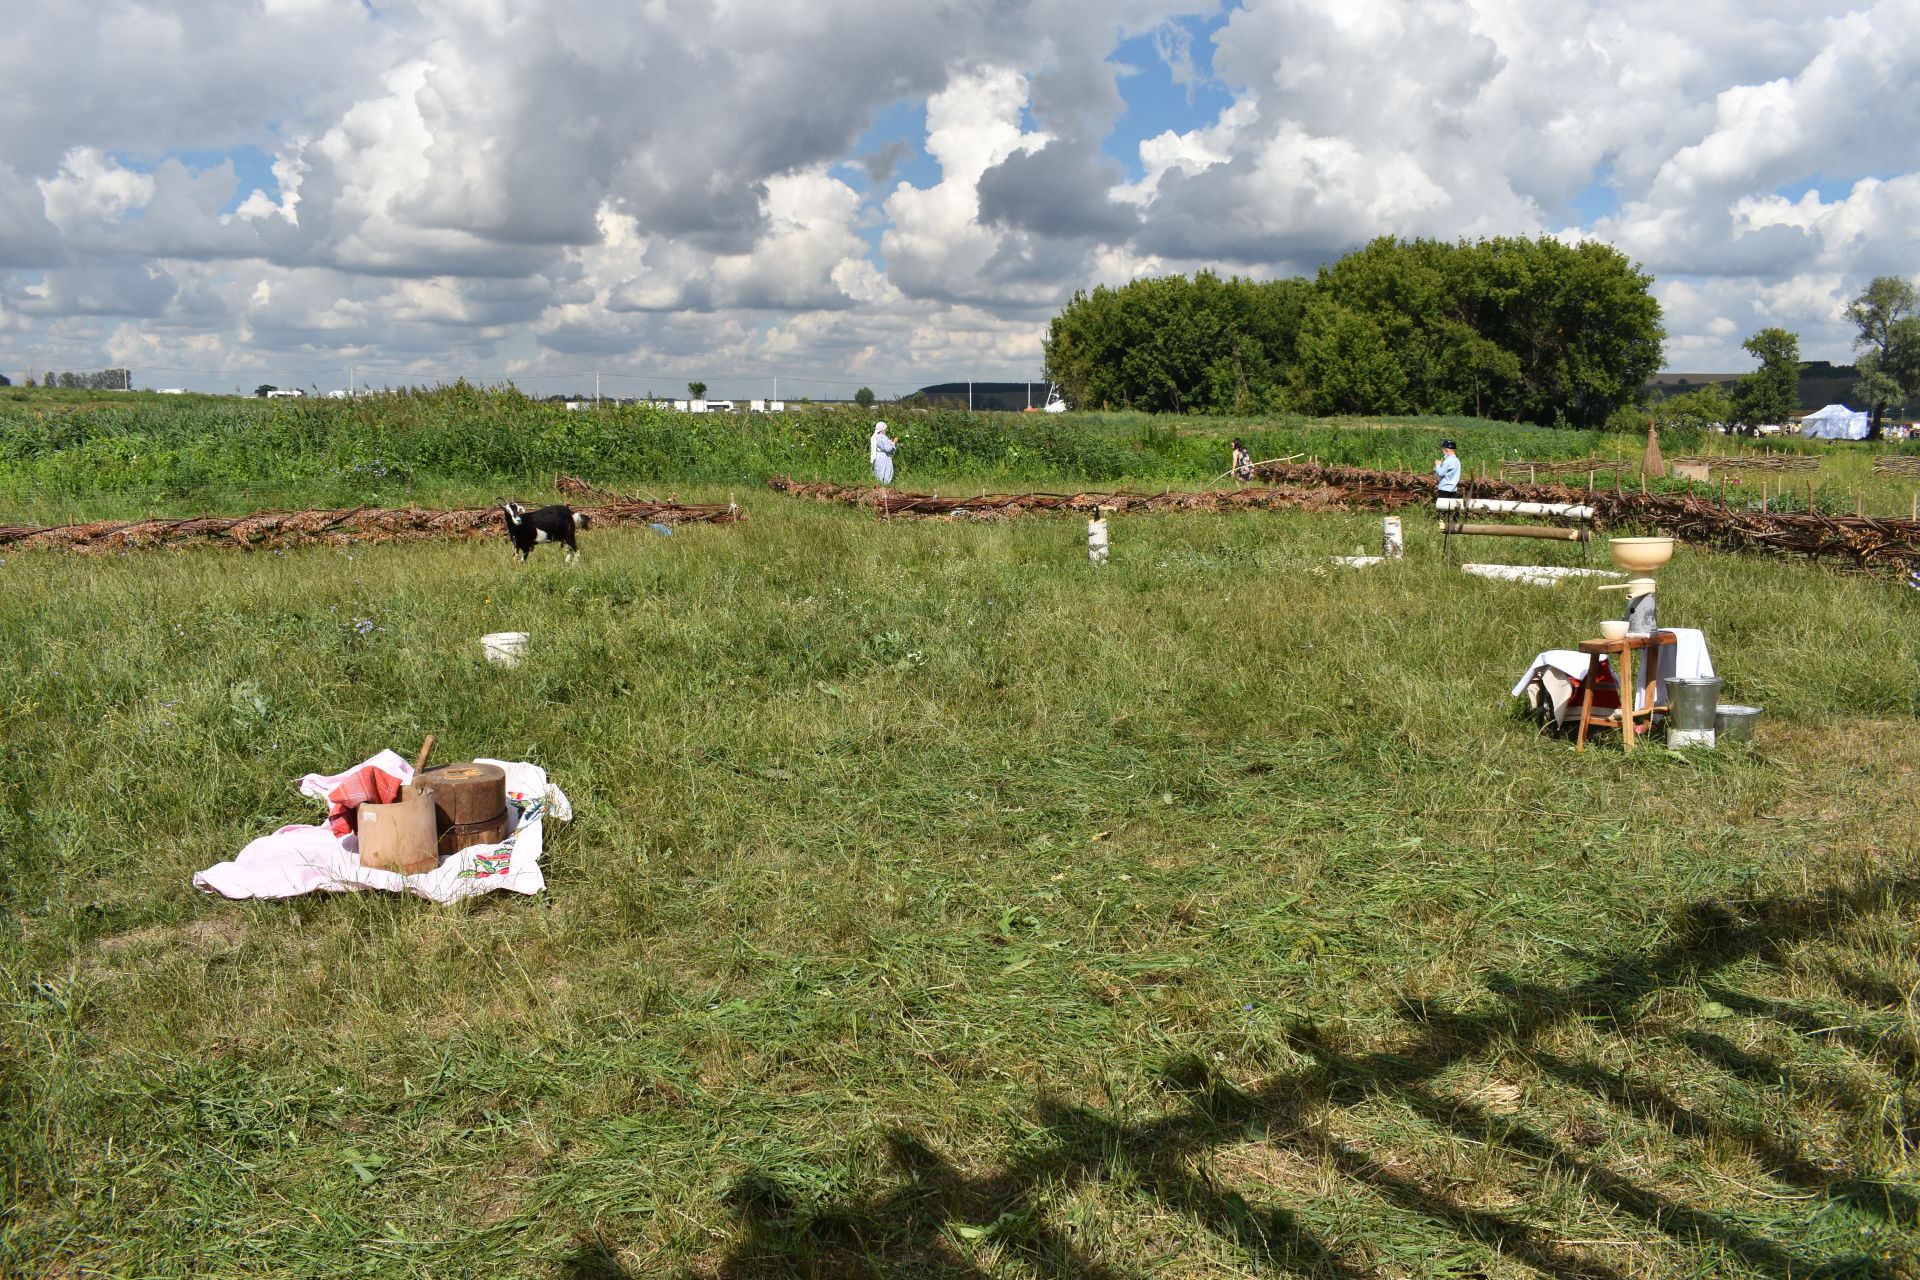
x: 941, y: 905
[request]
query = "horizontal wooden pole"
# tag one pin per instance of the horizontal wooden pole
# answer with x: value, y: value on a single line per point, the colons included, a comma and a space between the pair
x: 1514, y: 531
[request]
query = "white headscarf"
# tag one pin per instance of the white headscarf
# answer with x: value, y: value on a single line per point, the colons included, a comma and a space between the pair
x: 879, y: 428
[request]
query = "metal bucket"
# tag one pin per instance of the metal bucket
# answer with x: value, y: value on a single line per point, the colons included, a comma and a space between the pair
x: 1690, y: 711
x: 1734, y: 723
x: 1643, y: 616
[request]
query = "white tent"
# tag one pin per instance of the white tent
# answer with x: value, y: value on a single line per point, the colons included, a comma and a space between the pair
x: 1835, y: 422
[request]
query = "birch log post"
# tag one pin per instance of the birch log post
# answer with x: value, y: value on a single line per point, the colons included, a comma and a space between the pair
x: 1097, y: 536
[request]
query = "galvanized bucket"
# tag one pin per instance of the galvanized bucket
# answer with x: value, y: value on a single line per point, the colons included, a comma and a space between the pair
x: 1734, y: 723
x: 1690, y: 711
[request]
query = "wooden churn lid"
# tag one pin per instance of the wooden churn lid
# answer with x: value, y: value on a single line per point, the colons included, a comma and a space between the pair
x: 466, y: 793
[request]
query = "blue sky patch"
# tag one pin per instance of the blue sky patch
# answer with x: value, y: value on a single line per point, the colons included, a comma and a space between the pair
x: 252, y: 168
x: 898, y: 132
x: 896, y: 144
x: 1156, y: 102
x: 1598, y: 199
x: 1829, y: 190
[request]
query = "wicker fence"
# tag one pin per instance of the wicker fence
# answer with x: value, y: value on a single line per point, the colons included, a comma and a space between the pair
x: 1772, y: 463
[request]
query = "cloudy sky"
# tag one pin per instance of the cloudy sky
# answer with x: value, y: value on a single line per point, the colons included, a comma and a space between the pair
x: 845, y: 192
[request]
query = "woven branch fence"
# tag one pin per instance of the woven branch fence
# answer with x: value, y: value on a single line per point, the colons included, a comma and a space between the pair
x: 1858, y: 541
x: 264, y: 530
x: 1897, y: 464
x: 1771, y: 463
x: 1567, y: 467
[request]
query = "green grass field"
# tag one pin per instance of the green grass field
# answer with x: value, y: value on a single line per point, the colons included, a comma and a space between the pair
x: 940, y: 905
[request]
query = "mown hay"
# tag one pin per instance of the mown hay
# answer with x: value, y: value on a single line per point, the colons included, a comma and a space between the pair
x: 1861, y: 541
x: 264, y: 530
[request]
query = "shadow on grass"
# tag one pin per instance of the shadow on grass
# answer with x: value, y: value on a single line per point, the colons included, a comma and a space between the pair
x: 933, y: 1222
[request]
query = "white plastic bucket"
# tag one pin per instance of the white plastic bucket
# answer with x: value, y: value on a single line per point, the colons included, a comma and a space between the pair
x: 505, y: 647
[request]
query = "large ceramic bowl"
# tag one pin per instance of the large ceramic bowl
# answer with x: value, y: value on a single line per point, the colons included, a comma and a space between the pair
x: 1640, y: 555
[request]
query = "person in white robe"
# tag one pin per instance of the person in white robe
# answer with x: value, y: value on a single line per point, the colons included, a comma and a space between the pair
x: 880, y: 451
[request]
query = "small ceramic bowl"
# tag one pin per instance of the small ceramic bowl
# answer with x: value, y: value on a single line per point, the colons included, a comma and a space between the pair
x: 1614, y: 629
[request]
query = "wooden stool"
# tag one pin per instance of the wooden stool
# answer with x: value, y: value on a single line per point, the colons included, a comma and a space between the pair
x: 1630, y: 696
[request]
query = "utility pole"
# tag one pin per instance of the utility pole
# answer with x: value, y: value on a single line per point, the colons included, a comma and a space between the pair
x: 596, y: 388
x: 969, y: 395
x: 349, y: 382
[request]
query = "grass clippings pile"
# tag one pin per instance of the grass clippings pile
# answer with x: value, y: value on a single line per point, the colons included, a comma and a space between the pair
x: 996, y: 506
x: 1865, y: 542
x: 277, y: 530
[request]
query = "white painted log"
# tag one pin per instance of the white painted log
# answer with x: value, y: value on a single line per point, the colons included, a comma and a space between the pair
x: 1392, y: 545
x: 1097, y: 541
x: 1358, y: 562
x: 1536, y: 575
x: 1569, y: 510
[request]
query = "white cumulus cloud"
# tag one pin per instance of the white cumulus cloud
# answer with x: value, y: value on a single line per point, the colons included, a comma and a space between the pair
x: 680, y: 189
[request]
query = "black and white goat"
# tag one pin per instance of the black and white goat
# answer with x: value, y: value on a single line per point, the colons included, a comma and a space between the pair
x: 529, y: 529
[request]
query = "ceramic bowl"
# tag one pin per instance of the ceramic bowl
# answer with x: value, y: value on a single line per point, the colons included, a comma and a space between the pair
x: 1640, y: 555
x: 1614, y: 629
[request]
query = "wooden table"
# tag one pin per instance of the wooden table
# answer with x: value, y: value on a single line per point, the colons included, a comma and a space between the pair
x: 1630, y: 695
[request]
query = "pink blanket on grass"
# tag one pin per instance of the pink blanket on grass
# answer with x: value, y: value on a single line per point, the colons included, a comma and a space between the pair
x: 301, y: 859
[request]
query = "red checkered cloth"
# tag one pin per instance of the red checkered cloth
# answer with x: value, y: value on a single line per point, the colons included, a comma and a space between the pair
x: 365, y: 785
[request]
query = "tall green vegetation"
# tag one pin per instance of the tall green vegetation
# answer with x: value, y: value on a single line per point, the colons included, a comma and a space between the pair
x: 1526, y: 330
x: 387, y: 448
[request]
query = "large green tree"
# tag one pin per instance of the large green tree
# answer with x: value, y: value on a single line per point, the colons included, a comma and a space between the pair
x: 1772, y: 392
x: 1579, y: 322
x: 1170, y: 344
x: 1697, y: 410
x: 1889, y: 343
x: 1534, y: 330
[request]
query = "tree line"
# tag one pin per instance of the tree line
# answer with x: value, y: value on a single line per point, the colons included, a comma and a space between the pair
x: 98, y: 380
x: 1525, y: 330
x: 1886, y: 319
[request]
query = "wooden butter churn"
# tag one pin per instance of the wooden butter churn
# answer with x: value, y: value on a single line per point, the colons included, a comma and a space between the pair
x: 470, y: 804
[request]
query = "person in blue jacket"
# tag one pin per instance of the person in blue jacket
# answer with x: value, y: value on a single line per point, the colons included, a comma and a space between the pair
x: 1446, y: 472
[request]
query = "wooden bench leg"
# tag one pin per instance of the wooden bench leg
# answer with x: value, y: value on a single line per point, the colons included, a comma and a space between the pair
x: 1586, y: 706
x: 1628, y: 697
